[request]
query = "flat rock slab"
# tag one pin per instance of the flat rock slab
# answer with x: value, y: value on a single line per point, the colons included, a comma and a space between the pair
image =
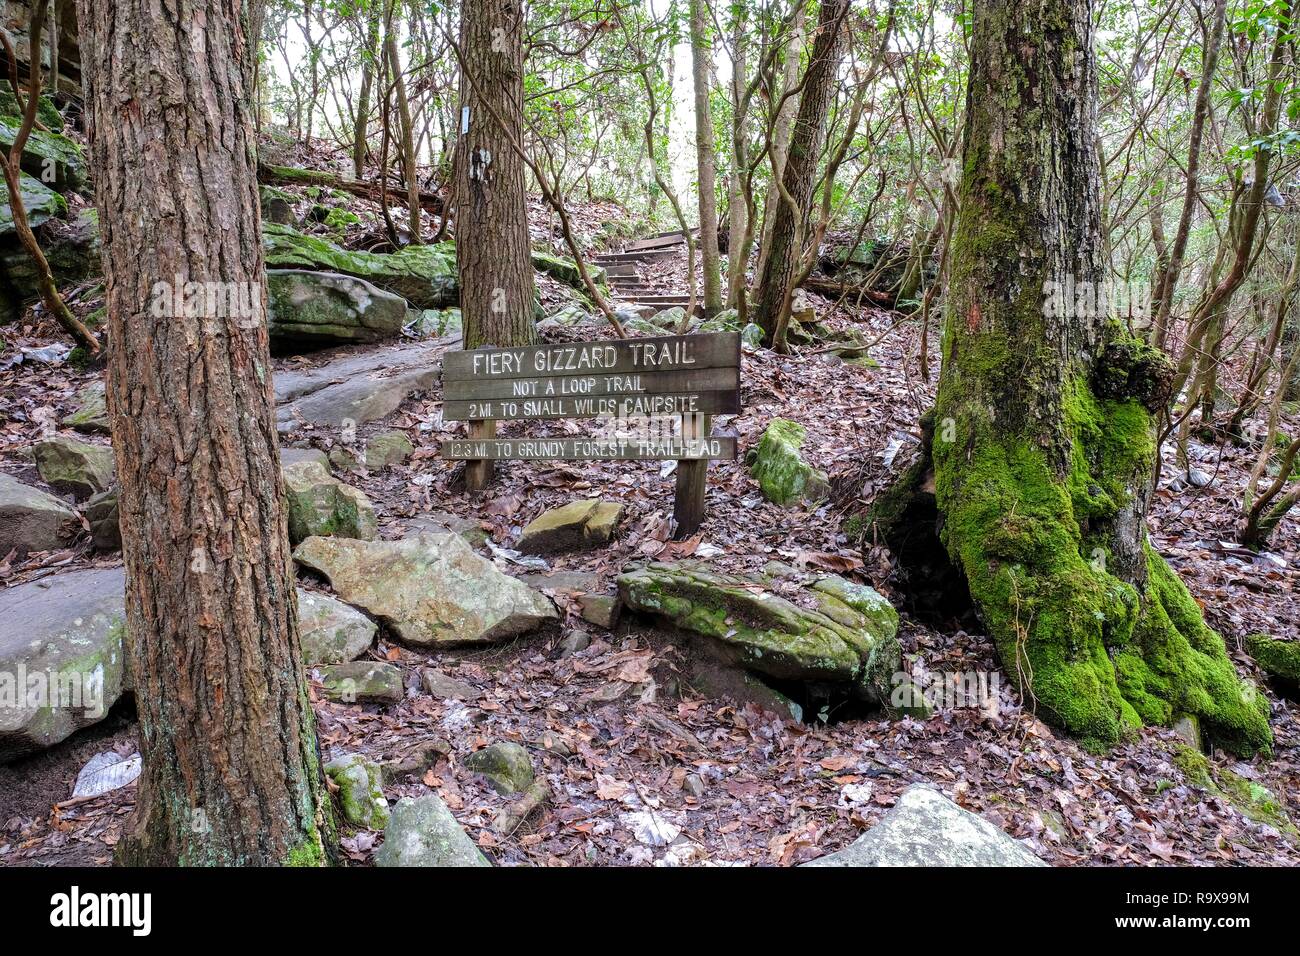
x: 61, y: 640
x: 925, y: 828
x: 360, y: 387
x: 362, y: 682
x: 429, y: 589
x: 32, y: 519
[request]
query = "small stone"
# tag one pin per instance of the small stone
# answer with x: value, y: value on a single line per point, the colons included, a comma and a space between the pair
x: 330, y: 631
x: 91, y: 414
x: 1197, y: 478
x: 693, y: 784
x: 443, y: 686
x: 419, y: 758
x: 292, y: 456
x: 362, y: 682
x: 586, y: 523
x: 506, y: 766
x: 361, y: 791
x: 387, y: 449
x: 600, y: 609
x: 74, y: 467
x: 102, y: 514
x: 423, y: 832
x: 751, y: 336
x: 573, y: 642
x: 1188, y: 729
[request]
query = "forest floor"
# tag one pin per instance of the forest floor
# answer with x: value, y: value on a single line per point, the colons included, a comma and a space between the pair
x: 615, y: 729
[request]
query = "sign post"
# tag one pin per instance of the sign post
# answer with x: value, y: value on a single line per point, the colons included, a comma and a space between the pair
x: 656, y: 398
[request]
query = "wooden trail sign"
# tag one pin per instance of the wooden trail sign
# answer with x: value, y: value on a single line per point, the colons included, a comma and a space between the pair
x: 659, y: 394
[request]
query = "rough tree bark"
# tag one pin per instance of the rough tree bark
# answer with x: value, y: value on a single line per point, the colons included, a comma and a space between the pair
x: 232, y: 772
x: 777, y: 277
x: 369, y: 55
x: 705, y: 157
x: 1042, y: 439
x: 492, y: 246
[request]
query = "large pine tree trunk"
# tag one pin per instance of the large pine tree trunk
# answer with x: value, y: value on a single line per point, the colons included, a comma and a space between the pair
x: 705, y: 155
x: 232, y: 773
x: 1042, y: 435
x: 492, y: 247
x: 789, y: 222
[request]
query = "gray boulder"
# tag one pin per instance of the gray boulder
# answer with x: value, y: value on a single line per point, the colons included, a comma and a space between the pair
x: 423, y: 832
x: 61, y: 642
x: 32, y: 520
x: 330, y: 631
x: 505, y: 765
x: 326, y: 308
x: 428, y: 590
x: 925, y: 828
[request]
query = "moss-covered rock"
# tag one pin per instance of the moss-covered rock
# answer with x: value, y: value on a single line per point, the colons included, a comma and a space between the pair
x: 91, y: 413
x: 566, y: 270
x: 40, y: 201
x: 728, y: 320
x: 846, y: 634
x: 74, y: 467
x: 586, y: 523
x: 277, y: 206
x: 1253, y: 800
x: 381, y: 451
x: 505, y: 765
x: 33, y: 520
x: 321, y: 505
x: 362, y: 682
x: 427, y: 590
x: 360, y: 791
x: 1279, y: 658
x: 62, y: 659
x: 423, y: 275
x: 46, y: 112
x: 782, y: 474
x: 435, y: 323
x: 50, y: 157
x: 326, y: 308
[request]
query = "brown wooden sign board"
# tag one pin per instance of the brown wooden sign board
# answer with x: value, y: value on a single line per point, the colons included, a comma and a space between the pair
x: 687, y: 378
x: 587, y: 449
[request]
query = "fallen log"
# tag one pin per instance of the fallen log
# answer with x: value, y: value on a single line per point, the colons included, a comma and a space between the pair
x: 834, y: 289
x: 431, y: 202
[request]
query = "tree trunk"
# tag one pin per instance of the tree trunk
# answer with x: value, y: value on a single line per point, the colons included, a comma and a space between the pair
x: 1043, y: 431
x: 782, y: 130
x: 369, y: 54
x: 737, y: 201
x: 232, y: 772
x: 492, y: 246
x: 788, y: 226
x: 706, y: 162
x: 406, y: 127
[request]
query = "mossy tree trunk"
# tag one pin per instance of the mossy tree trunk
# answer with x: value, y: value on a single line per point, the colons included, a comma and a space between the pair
x: 232, y: 772
x: 1043, y: 436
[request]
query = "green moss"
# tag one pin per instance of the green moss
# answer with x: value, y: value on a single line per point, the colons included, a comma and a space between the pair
x: 1253, y: 801
x: 308, y: 853
x: 782, y: 474
x: 1096, y: 656
x: 1277, y: 657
